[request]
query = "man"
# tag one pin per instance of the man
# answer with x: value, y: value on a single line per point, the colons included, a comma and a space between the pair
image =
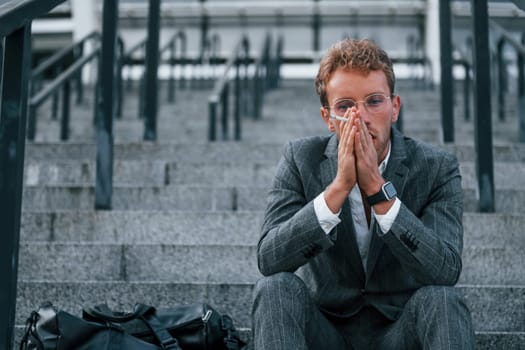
x: 362, y: 236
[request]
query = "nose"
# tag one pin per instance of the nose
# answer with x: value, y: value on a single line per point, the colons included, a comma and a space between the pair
x: 363, y: 111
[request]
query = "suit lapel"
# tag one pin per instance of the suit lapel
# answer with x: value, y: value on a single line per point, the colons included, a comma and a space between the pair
x: 396, y: 172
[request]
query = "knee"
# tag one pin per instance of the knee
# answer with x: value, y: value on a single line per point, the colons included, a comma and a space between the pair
x: 437, y: 294
x: 285, y: 281
x: 439, y: 297
x: 285, y: 284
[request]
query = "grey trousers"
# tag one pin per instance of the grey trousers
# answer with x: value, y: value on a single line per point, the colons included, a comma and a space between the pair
x: 286, y: 318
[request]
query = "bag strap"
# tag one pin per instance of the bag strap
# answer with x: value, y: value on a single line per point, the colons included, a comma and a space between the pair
x: 30, y: 326
x: 161, y: 333
x: 231, y: 341
x: 103, y: 313
x: 146, y: 313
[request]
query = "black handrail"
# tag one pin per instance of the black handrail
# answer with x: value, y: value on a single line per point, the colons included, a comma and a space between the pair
x: 171, y: 46
x: 62, y: 81
x: 56, y: 63
x: 209, y: 55
x: 506, y: 38
x: 465, y: 62
x: 221, y: 92
x: 482, y: 107
x: 127, y: 58
x: 58, y: 57
x: 261, y: 76
x: 15, y: 36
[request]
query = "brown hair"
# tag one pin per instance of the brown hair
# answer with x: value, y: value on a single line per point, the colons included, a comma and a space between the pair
x: 362, y: 55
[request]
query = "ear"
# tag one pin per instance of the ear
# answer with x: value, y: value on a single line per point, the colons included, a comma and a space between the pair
x: 396, y: 107
x: 327, y: 120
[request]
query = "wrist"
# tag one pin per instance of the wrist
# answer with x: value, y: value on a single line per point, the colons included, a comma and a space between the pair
x: 373, y: 185
x: 335, y: 195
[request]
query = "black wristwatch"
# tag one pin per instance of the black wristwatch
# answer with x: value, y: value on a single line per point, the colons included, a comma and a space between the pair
x: 388, y: 191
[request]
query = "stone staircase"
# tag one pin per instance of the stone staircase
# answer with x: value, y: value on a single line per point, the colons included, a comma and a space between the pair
x: 187, y: 213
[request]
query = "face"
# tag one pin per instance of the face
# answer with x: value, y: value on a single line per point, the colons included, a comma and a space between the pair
x: 358, y: 86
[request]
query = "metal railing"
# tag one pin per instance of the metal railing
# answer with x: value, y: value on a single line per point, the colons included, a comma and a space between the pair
x: 15, y: 34
x: 221, y: 93
x: 261, y: 76
x: 64, y: 75
x: 177, y: 44
x: 265, y: 76
x: 179, y: 38
x: 505, y: 39
x: 463, y: 59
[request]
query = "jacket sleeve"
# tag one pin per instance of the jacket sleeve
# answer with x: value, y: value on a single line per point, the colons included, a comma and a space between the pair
x: 291, y: 234
x: 429, y: 242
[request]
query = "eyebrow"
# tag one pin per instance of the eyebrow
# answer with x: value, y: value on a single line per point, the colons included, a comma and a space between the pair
x: 353, y: 99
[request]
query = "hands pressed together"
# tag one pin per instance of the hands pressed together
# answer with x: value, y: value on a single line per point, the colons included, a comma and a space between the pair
x: 357, y: 162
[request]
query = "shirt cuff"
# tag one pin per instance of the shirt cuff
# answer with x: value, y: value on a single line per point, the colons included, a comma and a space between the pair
x: 327, y: 220
x: 386, y: 220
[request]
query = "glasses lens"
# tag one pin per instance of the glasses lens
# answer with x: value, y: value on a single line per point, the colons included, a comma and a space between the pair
x: 375, y: 103
x: 342, y: 106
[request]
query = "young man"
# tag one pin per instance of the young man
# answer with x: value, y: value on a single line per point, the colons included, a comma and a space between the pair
x: 362, y: 237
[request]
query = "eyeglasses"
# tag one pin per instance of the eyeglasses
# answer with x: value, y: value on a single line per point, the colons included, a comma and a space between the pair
x: 374, y: 104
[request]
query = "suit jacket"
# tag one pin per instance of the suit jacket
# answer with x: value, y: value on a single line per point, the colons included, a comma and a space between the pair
x: 423, y: 246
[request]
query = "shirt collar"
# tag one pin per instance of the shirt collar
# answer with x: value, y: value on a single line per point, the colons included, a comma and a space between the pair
x: 384, y: 163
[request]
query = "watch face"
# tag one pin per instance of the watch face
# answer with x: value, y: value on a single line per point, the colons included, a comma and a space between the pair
x: 390, y: 190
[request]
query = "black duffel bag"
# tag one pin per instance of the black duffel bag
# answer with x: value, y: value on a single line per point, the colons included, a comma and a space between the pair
x: 186, y: 327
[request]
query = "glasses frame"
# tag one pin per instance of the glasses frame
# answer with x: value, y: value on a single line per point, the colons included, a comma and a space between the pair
x: 333, y: 116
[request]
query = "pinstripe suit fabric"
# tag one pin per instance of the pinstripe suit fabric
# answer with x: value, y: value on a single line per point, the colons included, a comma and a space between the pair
x: 423, y: 247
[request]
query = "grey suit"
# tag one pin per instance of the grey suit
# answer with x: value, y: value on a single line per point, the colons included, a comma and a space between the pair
x: 423, y: 247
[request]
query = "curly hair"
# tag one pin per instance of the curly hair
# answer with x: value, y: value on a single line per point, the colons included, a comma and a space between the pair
x: 362, y: 55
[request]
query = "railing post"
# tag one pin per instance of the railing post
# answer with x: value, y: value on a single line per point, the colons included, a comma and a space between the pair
x: 120, y: 82
x: 483, y: 123
x: 256, y: 91
x: 105, y: 109
x: 246, y: 78
x: 502, y: 78
x: 447, y: 78
x: 14, y: 80
x: 225, y: 104
x: 78, y: 53
x: 31, y: 123
x: 316, y: 26
x: 237, y: 101
x: 466, y: 91
x: 56, y: 96
x: 212, y: 127
x: 152, y: 64
x: 521, y: 92
x: 183, y: 56
x: 204, y: 29
x: 171, y: 81
x: 66, y: 108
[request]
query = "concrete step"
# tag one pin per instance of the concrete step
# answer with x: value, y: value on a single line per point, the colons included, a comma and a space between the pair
x: 484, y: 340
x: 498, y: 230
x: 138, y: 262
x: 210, y: 263
x: 229, y: 173
x: 221, y: 152
x: 505, y: 315
x: 174, y: 197
x: 146, y: 173
x: 206, y: 198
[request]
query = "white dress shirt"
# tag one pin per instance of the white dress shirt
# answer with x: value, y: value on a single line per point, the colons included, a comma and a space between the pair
x: 328, y: 220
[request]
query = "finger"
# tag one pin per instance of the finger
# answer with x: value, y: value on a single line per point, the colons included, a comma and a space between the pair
x: 365, y: 137
x: 352, y: 114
